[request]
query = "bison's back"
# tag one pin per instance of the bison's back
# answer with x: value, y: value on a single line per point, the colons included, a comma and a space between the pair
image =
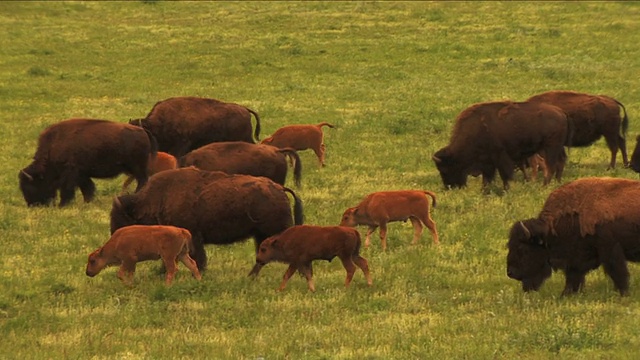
x: 298, y: 137
x: 309, y: 242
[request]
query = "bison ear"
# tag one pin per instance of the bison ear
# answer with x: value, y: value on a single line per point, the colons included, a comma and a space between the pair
x: 275, y: 243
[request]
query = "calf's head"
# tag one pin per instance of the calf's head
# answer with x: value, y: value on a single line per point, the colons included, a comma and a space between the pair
x: 268, y: 251
x: 36, y: 190
x: 96, y: 263
x: 452, y: 171
x: 349, y: 217
x: 528, y: 257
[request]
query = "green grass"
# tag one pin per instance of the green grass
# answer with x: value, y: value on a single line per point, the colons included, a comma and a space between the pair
x: 392, y: 76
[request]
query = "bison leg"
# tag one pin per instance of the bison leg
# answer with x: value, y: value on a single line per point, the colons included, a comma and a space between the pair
x: 126, y: 184
x: 364, y: 266
x: 367, y: 239
x: 190, y: 264
x: 347, y: 262
x: 87, y: 188
x: 307, y: 271
x: 198, y: 252
x: 287, y: 275
x: 417, y: 229
x: 622, y: 144
x: 431, y: 225
x: 383, y: 235
x: 319, y: 150
x: 126, y: 272
x: 615, y: 265
x: 574, y: 281
x: 170, y: 266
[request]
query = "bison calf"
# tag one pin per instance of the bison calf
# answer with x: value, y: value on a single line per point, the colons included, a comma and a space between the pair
x: 163, y: 161
x: 135, y: 243
x: 300, y: 137
x: 299, y: 245
x: 380, y: 208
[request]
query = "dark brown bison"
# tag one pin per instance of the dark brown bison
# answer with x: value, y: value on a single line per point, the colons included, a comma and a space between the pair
x: 592, y: 116
x: 583, y: 224
x: 635, y: 157
x: 300, y: 137
x: 73, y: 151
x: 182, y: 124
x: 237, y: 157
x: 163, y: 161
x: 501, y: 135
x: 132, y: 244
x: 380, y: 208
x: 215, y: 207
x: 298, y: 246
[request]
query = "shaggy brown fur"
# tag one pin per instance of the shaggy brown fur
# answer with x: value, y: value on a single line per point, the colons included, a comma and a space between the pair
x: 298, y: 246
x: 132, y: 244
x: 592, y: 116
x: 300, y: 137
x: 182, y: 124
x: 163, y: 161
x: 597, y: 200
x: 237, y: 157
x: 380, y: 208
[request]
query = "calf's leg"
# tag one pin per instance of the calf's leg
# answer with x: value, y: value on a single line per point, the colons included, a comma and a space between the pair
x: 367, y: 239
x: 364, y: 266
x: 431, y: 225
x: 170, y: 266
x: 190, y: 264
x: 383, y: 235
x: 351, y: 269
x: 417, y: 229
x: 307, y: 271
x: 287, y: 275
x: 127, y: 270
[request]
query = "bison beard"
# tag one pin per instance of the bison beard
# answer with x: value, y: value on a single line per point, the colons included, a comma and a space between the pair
x: 215, y: 207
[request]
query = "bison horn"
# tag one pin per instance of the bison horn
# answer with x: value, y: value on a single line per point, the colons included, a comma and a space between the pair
x: 526, y: 231
x: 26, y: 175
x: 436, y: 159
x: 116, y: 202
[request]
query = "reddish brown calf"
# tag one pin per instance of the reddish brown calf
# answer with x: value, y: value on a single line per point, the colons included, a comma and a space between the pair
x: 300, y: 137
x: 380, y: 208
x: 132, y: 244
x: 299, y: 245
x: 163, y: 161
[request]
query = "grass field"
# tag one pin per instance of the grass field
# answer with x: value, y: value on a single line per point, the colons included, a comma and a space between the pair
x: 392, y: 76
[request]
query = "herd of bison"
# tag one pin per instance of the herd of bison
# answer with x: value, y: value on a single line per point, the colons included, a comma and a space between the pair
x: 204, y: 177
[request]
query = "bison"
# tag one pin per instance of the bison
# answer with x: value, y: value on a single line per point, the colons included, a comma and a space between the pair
x: 501, y: 135
x: 300, y: 137
x: 592, y: 117
x: 132, y: 244
x: 298, y: 246
x: 73, y: 151
x: 583, y: 224
x: 237, y: 157
x: 380, y: 208
x: 215, y: 207
x: 635, y: 156
x: 182, y: 124
x: 163, y: 161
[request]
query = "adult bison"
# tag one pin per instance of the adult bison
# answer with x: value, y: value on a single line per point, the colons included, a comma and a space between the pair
x: 182, y: 124
x: 237, y: 157
x: 500, y: 135
x: 592, y: 117
x: 634, y: 164
x: 215, y: 207
x: 583, y: 224
x: 73, y: 151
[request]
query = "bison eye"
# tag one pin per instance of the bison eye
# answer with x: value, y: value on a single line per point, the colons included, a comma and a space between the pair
x: 262, y: 250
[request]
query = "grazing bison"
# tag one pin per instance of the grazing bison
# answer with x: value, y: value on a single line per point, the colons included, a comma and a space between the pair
x: 132, y: 244
x: 73, y: 151
x: 163, y: 161
x: 300, y: 137
x: 380, y: 208
x: 583, y: 224
x: 298, y: 246
x: 182, y: 124
x: 215, y: 207
x: 237, y: 157
x: 635, y: 157
x: 592, y: 116
x: 501, y: 135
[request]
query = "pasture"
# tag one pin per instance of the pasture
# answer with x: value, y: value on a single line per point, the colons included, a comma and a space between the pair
x: 392, y: 77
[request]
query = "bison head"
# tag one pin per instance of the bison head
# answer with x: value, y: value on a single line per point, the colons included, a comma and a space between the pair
x: 635, y: 157
x: 122, y: 212
x: 36, y: 189
x: 96, y: 263
x: 452, y: 171
x: 528, y: 258
x: 349, y: 217
x: 268, y: 251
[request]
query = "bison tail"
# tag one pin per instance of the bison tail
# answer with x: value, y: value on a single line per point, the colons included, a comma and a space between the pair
x: 297, y: 164
x: 325, y: 124
x: 153, y: 142
x: 256, y: 132
x: 433, y: 197
x: 625, y: 119
x: 298, y: 213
